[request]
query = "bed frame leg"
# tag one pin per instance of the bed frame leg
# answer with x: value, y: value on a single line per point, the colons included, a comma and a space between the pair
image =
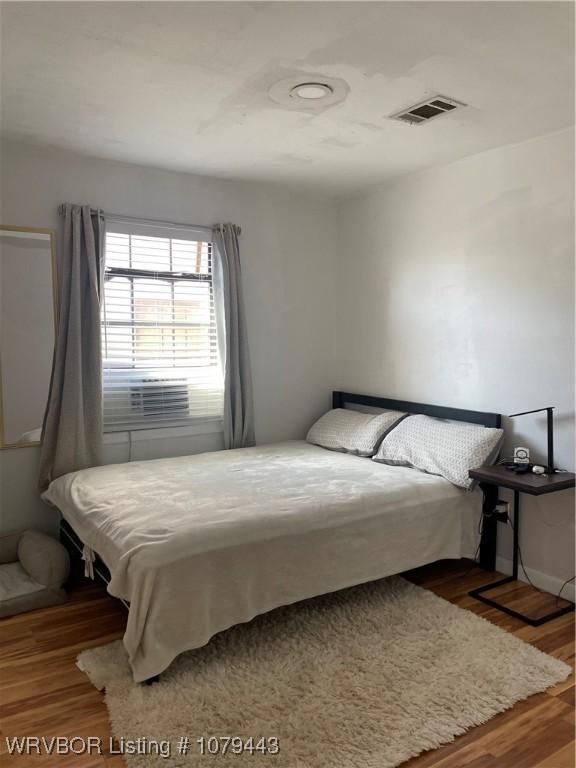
x: 152, y: 680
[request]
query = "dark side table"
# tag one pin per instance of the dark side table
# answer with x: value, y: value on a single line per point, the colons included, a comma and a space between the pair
x: 494, y: 477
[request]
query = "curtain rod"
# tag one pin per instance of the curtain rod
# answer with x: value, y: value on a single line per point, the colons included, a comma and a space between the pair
x: 143, y: 220
x: 157, y: 222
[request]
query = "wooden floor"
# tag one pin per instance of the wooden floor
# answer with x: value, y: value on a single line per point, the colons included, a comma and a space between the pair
x: 44, y: 694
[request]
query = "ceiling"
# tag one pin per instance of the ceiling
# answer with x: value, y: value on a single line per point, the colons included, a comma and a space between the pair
x: 184, y: 85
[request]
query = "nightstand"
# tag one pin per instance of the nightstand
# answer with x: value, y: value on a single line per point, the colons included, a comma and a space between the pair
x: 494, y: 477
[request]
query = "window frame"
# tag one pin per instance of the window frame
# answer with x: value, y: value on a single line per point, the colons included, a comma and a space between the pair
x: 191, y: 423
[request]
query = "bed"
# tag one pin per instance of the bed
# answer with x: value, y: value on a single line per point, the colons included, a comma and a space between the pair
x: 197, y: 544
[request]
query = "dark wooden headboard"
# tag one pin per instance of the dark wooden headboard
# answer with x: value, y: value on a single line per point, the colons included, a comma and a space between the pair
x: 340, y: 399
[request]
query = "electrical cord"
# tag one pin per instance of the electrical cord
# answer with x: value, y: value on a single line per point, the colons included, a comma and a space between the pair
x: 528, y: 579
x: 562, y: 587
x: 480, y: 528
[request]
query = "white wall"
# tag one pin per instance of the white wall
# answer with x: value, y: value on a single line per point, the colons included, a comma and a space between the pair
x: 456, y: 287
x: 288, y: 257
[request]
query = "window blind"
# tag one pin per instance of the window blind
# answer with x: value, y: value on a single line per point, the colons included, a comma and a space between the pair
x: 161, y: 365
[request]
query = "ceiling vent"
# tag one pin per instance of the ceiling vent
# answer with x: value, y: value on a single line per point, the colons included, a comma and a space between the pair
x: 427, y: 110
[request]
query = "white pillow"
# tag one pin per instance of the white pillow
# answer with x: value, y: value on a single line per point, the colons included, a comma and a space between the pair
x: 351, y: 431
x: 440, y: 447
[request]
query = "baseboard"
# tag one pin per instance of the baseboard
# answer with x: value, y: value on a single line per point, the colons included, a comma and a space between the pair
x: 541, y: 580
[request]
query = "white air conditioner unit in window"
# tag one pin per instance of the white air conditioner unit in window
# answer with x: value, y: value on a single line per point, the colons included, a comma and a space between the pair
x: 161, y: 397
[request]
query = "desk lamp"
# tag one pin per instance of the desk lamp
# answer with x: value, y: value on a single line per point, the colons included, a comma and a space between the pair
x: 550, y: 429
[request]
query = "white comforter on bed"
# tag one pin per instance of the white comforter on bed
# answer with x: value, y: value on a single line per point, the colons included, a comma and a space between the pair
x: 199, y: 543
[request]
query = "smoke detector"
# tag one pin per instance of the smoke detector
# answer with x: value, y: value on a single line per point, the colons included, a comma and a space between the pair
x: 428, y: 110
x: 308, y: 92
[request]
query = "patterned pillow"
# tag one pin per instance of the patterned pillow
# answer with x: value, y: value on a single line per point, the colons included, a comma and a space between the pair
x: 440, y: 447
x: 351, y: 431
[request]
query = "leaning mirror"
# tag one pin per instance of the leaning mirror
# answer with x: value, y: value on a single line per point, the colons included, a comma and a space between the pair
x: 27, y: 318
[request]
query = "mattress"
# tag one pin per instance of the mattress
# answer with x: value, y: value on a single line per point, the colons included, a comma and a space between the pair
x: 199, y: 543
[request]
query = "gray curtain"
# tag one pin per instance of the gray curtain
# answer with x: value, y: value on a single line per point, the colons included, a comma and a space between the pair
x: 72, y: 428
x: 232, y: 338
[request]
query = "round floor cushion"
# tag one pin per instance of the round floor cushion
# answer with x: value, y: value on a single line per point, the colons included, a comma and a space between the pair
x: 44, y: 559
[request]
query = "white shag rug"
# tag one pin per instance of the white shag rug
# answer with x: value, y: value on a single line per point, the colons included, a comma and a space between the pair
x: 364, y: 678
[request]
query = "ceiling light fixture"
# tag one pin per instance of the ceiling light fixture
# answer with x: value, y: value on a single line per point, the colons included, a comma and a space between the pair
x: 312, y: 91
x: 308, y: 92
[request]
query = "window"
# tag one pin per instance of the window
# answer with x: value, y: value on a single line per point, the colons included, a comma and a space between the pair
x: 161, y: 365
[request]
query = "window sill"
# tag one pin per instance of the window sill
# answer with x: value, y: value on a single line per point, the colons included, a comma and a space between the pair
x: 208, y: 427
